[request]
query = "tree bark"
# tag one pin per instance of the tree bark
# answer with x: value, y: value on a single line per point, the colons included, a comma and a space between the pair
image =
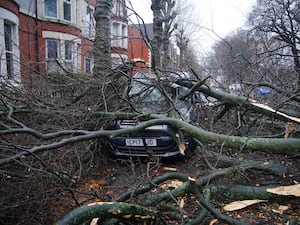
x: 105, y: 210
x: 271, y: 145
x: 158, y: 33
x: 102, y: 48
x: 137, y: 213
x: 236, y: 100
x: 168, y: 17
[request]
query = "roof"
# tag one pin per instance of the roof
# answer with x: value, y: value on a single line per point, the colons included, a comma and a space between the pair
x: 146, y: 29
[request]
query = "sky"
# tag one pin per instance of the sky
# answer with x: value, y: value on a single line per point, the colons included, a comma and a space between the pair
x: 221, y: 16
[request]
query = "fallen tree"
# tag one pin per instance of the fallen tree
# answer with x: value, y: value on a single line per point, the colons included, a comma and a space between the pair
x: 152, y: 208
x: 28, y: 144
x: 241, y: 101
x: 271, y: 145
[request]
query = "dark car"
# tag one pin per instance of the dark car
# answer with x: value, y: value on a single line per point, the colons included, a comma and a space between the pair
x: 158, y: 140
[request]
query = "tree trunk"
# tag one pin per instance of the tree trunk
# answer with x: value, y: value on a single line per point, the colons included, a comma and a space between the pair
x: 168, y: 18
x: 158, y: 33
x: 182, y: 42
x: 102, y: 48
x: 105, y: 210
x: 236, y: 100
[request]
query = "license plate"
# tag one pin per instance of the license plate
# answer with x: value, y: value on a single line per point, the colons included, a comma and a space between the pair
x: 139, y: 142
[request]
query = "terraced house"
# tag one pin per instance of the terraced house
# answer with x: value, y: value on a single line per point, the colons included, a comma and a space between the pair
x: 45, y: 36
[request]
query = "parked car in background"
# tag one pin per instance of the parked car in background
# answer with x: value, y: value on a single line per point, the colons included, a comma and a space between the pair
x: 150, y: 94
x: 265, y: 95
x: 263, y: 91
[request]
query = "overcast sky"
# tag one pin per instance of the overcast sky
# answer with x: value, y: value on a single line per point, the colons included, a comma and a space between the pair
x: 222, y: 16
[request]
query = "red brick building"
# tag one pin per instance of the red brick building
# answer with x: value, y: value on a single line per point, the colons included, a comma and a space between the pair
x: 46, y: 36
x: 139, y: 36
x: 138, y: 49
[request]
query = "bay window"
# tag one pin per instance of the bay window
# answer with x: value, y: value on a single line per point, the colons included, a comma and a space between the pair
x: 60, y: 9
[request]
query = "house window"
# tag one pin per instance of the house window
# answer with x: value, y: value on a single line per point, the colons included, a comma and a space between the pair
x: 28, y: 6
x: 68, y: 50
x: 114, y: 7
x: 115, y: 34
x: 51, y: 8
x: 52, y: 53
x: 69, y: 45
x: 67, y: 10
x: 8, y: 29
x: 119, y: 35
x: 122, y: 8
x: 89, y: 22
x: 77, y: 60
x: 88, y: 62
x: 124, y: 36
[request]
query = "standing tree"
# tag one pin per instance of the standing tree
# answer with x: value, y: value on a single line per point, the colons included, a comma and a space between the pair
x: 169, y: 15
x: 48, y: 146
x: 182, y: 42
x: 156, y: 7
x: 279, y: 20
x: 234, y: 55
x: 185, y: 33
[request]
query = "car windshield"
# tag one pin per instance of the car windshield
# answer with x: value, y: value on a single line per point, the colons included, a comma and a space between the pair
x: 143, y: 90
x: 147, y: 95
